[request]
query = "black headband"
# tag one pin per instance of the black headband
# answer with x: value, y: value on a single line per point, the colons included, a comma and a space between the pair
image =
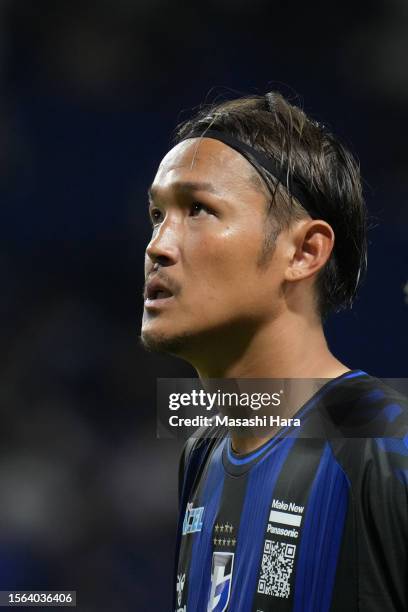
x: 291, y: 183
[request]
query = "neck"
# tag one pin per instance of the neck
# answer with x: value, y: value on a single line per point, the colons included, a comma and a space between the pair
x: 289, y: 347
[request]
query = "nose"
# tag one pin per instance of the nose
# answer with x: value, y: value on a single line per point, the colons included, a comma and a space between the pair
x: 163, y: 247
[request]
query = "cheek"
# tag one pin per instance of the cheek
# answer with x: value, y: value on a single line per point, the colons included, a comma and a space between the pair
x: 223, y: 263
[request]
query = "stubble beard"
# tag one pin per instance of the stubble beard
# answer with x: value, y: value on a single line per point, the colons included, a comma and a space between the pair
x: 164, y: 343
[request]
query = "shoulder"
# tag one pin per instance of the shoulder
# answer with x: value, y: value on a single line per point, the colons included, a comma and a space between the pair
x: 366, y: 423
x: 381, y: 463
x: 195, y: 452
x: 364, y: 407
x: 201, y: 441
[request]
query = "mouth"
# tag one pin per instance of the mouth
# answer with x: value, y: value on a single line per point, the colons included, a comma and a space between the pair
x: 157, y: 295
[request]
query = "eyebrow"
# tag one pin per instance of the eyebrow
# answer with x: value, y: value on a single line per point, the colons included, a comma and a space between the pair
x: 187, y: 187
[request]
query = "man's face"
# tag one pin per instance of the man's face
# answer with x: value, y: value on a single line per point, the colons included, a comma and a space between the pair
x: 202, y: 267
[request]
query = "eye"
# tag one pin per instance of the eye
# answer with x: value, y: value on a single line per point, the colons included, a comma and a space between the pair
x: 197, y: 208
x: 155, y: 216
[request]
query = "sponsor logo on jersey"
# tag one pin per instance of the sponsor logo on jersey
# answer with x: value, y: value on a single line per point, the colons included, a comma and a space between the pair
x: 290, y: 533
x: 291, y: 506
x: 285, y: 514
x: 193, y: 519
x: 181, y: 579
x: 221, y: 579
x: 278, y: 557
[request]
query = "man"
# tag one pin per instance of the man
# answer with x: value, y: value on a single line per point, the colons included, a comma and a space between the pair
x: 258, y: 233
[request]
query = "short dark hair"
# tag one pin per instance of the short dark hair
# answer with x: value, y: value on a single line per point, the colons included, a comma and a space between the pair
x: 327, y: 171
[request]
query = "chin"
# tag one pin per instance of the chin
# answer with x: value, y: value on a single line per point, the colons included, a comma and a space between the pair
x: 164, y: 343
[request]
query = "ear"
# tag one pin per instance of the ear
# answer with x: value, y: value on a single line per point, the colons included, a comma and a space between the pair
x: 311, y: 243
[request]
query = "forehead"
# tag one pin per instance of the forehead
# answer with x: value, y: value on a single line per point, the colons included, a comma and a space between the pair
x: 205, y: 160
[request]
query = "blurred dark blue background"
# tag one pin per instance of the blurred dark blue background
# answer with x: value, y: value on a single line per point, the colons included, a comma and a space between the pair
x: 91, y: 93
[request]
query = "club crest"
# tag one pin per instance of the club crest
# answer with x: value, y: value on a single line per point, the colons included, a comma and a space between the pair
x: 221, y: 579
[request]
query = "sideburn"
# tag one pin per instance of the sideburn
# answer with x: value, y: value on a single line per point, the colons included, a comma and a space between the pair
x: 267, y: 250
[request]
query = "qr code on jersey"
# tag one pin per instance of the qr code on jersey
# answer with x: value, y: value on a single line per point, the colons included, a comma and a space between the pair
x: 276, y: 568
